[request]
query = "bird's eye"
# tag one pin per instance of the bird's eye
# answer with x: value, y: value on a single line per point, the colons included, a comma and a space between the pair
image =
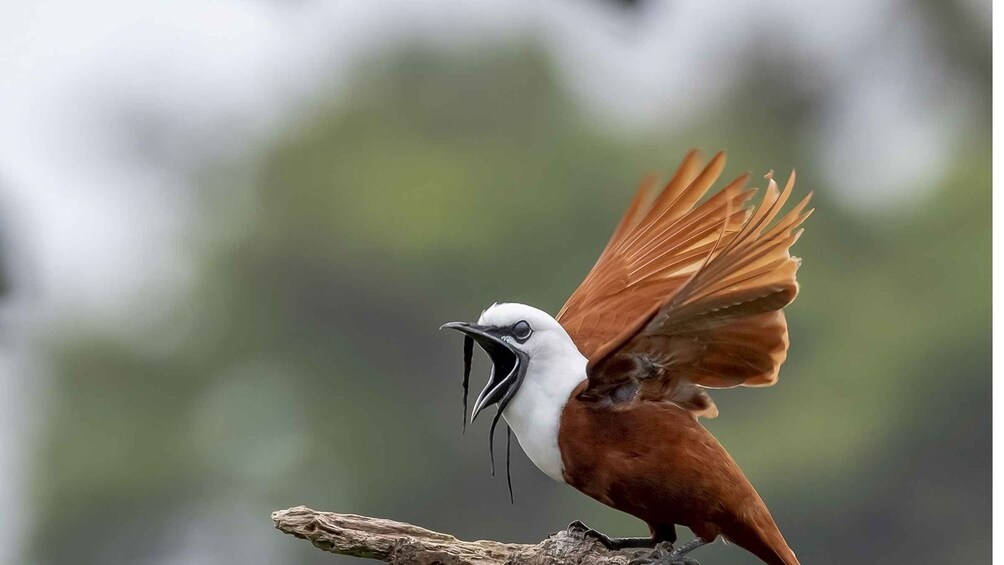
x: 521, y: 330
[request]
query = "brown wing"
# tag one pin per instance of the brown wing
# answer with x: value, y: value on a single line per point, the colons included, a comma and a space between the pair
x: 688, y: 296
x: 659, y: 244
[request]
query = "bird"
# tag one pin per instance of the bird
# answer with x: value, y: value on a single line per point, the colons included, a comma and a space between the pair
x: 607, y: 395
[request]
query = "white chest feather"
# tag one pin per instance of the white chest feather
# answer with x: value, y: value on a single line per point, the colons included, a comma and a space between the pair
x: 534, y: 414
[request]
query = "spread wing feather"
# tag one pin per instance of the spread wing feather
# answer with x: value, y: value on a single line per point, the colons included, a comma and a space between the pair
x: 687, y: 295
x: 654, y: 250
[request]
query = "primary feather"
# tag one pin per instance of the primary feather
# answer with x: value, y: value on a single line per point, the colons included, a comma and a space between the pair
x: 687, y: 295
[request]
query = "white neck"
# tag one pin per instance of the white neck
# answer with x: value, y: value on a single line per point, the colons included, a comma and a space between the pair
x: 534, y: 414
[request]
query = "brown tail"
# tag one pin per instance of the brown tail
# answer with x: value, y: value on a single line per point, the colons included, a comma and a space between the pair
x: 762, y: 538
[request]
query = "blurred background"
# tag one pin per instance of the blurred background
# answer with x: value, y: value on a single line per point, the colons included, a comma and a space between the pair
x: 230, y: 230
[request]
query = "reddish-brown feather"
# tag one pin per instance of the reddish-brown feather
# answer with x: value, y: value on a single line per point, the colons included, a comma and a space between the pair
x: 696, y: 288
x: 654, y: 461
x: 685, y: 296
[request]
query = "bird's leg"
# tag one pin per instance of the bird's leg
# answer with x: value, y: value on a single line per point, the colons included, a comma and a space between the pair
x: 670, y: 556
x: 688, y: 547
x: 661, y: 555
x: 613, y: 544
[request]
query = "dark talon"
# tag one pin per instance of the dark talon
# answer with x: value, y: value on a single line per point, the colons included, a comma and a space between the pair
x: 655, y: 561
x: 613, y: 544
x: 669, y: 556
x: 662, y: 549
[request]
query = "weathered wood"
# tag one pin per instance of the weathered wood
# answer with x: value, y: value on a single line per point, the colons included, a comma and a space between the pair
x: 401, y: 543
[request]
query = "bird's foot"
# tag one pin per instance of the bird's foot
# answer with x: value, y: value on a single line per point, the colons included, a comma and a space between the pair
x: 577, y: 528
x: 662, y: 555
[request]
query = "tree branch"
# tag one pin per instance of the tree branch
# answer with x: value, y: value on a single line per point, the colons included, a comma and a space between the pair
x: 402, y: 543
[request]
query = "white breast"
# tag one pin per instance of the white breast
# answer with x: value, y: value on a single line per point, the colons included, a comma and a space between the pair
x: 534, y: 414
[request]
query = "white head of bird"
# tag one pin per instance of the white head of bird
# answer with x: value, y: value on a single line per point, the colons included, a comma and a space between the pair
x: 536, y: 365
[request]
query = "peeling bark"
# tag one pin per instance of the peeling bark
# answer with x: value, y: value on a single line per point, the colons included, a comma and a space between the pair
x: 401, y: 543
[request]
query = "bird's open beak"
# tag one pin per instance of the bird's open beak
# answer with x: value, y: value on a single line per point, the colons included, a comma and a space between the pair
x: 508, y: 366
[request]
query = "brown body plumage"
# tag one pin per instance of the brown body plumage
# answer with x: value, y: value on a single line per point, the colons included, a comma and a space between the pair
x: 656, y: 462
x: 685, y: 297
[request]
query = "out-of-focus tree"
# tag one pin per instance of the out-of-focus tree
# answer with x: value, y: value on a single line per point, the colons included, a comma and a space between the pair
x: 304, y: 366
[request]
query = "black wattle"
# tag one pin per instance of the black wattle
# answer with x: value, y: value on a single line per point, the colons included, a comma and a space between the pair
x: 468, y: 354
x: 508, y: 473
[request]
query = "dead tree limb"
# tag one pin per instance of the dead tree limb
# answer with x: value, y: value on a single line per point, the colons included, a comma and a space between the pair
x: 401, y: 543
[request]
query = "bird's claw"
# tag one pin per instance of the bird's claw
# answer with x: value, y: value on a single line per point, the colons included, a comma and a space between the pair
x: 663, y: 554
x: 647, y: 561
x: 580, y: 530
x: 577, y: 528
